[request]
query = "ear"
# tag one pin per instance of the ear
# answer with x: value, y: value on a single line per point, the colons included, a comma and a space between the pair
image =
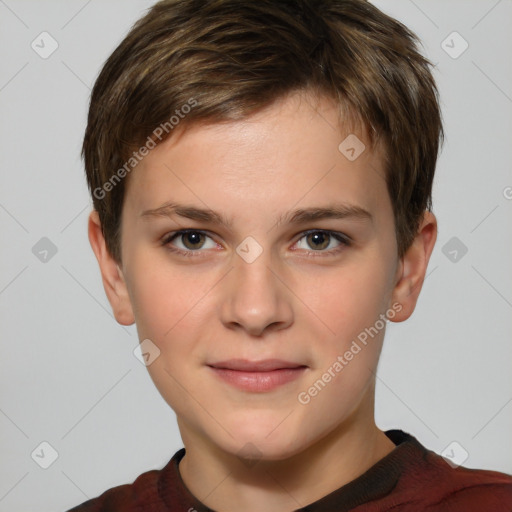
x: 413, y: 267
x: 111, y: 274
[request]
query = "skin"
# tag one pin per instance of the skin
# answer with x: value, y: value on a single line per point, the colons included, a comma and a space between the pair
x: 298, y: 300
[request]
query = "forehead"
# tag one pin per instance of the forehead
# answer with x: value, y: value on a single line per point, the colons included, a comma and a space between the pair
x: 295, y: 152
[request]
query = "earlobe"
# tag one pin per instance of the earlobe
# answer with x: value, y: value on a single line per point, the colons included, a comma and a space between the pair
x: 413, y: 268
x: 111, y: 274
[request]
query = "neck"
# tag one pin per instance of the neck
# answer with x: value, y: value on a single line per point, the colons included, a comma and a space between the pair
x: 223, y: 482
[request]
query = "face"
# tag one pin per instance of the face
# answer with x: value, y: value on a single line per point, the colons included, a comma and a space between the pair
x: 256, y: 256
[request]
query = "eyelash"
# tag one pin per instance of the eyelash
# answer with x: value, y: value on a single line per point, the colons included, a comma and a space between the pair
x: 344, y: 240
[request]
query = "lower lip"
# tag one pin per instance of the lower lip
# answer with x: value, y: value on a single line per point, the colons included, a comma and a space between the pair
x: 259, y: 382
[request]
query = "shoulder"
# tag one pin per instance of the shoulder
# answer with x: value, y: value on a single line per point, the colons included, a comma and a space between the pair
x: 431, y: 483
x: 473, y: 489
x: 147, y: 492
x: 126, y: 498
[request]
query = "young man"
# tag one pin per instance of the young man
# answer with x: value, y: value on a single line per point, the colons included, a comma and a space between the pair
x: 261, y: 175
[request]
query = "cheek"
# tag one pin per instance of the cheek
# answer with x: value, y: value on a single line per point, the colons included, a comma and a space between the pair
x: 163, y: 296
x: 168, y: 310
x: 347, y: 354
x: 349, y: 300
x: 155, y: 309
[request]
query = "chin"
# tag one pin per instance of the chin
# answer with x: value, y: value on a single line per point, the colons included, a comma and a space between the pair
x: 254, y: 450
x: 265, y: 440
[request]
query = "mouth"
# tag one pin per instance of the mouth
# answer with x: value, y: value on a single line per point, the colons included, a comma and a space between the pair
x: 257, y: 376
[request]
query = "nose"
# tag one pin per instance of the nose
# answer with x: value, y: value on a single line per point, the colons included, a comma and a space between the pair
x: 255, y: 298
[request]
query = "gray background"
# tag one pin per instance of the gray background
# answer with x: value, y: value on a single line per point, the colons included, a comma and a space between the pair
x: 68, y: 375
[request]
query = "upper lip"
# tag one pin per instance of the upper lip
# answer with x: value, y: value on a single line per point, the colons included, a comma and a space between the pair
x: 266, y: 365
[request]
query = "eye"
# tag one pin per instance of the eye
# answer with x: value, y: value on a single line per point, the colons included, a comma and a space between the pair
x: 322, y: 241
x: 188, y: 241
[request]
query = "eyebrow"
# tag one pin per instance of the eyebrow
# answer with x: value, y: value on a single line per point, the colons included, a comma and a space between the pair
x: 299, y: 216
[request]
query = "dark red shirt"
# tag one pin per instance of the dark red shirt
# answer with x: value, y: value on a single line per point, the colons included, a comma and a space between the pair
x: 409, y: 479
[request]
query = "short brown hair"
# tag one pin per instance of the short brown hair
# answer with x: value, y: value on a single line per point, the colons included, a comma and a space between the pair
x: 232, y: 58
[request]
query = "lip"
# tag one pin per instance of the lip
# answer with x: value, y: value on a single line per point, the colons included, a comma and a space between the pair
x: 257, y: 376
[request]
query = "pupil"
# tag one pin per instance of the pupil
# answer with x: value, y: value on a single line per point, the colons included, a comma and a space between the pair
x: 319, y: 240
x: 192, y: 239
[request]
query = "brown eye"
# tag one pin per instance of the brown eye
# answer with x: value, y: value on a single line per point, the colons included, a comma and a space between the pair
x: 318, y: 240
x: 189, y: 242
x: 193, y: 240
x: 323, y: 242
